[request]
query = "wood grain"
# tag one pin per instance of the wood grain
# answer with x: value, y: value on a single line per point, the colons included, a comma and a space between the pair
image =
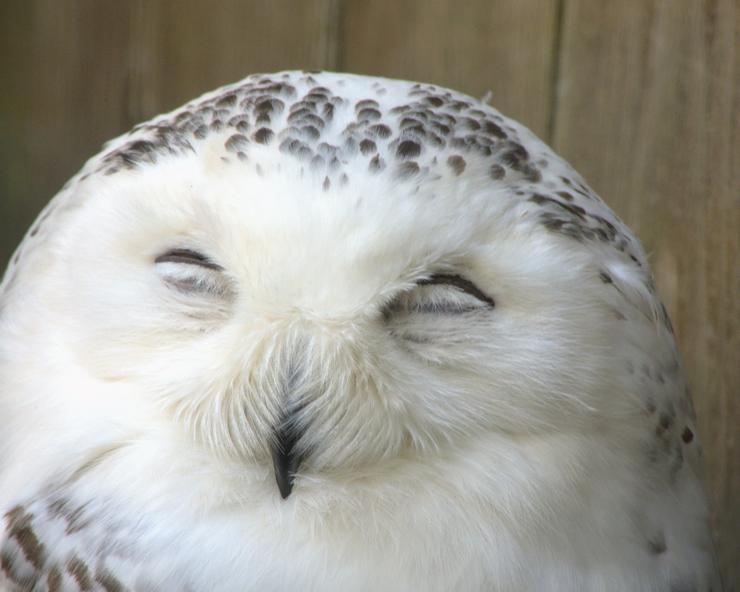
x: 474, y: 46
x: 186, y: 47
x: 647, y: 110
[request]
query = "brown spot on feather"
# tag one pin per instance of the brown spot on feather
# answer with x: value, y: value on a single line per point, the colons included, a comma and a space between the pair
x: 367, y: 146
x: 54, y: 580
x: 263, y: 135
x: 19, y: 528
x: 108, y: 581
x: 497, y: 172
x: 25, y: 582
x: 6, y: 564
x: 408, y: 149
x: 456, y: 163
x: 657, y: 545
x: 407, y: 169
x: 79, y: 571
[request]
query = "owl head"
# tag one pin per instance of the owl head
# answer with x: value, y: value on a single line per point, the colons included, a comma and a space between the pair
x: 314, y: 275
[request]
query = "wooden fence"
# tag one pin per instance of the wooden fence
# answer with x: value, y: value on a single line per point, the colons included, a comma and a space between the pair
x: 641, y: 96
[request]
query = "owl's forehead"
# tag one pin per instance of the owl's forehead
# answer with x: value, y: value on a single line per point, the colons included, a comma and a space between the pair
x: 341, y: 130
x: 413, y: 147
x: 284, y: 217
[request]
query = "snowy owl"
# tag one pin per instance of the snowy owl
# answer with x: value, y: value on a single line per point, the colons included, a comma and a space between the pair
x: 319, y: 331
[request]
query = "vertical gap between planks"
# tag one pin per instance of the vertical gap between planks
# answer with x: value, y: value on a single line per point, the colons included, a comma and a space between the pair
x: 333, y: 51
x: 557, y: 48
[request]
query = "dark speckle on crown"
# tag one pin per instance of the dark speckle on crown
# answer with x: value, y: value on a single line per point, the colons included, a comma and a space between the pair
x: 338, y: 125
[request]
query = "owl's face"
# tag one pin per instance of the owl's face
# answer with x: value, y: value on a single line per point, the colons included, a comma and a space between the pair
x: 276, y: 313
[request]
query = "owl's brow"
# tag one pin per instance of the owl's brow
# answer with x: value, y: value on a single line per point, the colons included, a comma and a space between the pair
x: 458, y: 282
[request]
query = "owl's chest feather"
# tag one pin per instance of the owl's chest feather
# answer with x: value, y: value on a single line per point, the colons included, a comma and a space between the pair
x: 451, y: 531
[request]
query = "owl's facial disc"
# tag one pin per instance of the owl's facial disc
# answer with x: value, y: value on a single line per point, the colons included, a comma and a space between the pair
x: 408, y: 337
x: 300, y: 422
x: 321, y: 411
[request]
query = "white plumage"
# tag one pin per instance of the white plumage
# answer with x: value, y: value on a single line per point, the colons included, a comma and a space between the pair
x: 386, y: 296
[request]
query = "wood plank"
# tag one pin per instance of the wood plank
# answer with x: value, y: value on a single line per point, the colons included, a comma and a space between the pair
x: 67, y: 71
x: 15, y: 46
x: 647, y: 110
x: 473, y: 46
x: 81, y: 72
x: 198, y: 48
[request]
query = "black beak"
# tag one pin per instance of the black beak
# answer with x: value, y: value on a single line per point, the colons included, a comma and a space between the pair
x: 285, y: 458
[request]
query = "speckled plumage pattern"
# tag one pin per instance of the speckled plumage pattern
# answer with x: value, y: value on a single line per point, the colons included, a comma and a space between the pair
x: 483, y: 385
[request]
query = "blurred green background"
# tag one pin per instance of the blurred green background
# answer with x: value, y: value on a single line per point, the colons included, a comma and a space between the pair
x: 641, y: 96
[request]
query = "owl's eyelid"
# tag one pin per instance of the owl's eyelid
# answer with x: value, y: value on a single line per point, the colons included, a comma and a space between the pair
x: 188, y: 257
x: 460, y: 283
